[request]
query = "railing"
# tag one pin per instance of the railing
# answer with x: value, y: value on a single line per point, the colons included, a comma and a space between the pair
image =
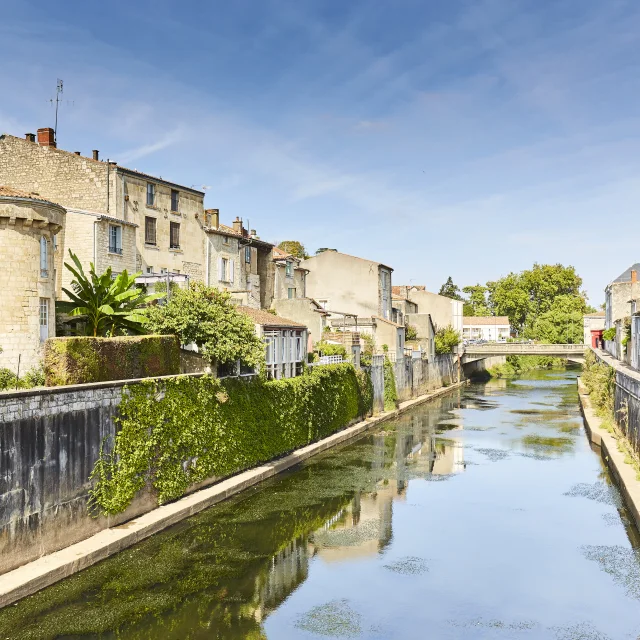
x: 525, y: 349
x: 327, y: 360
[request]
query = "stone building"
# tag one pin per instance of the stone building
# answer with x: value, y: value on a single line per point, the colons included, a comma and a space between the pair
x: 593, y: 325
x: 28, y: 227
x: 489, y: 328
x: 619, y: 295
x: 289, y: 278
x: 116, y: 216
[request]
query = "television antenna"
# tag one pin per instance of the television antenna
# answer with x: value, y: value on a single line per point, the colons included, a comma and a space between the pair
x: 57, y: 101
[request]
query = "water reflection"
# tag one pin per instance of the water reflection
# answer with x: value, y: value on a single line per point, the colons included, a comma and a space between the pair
x: 307, y: 555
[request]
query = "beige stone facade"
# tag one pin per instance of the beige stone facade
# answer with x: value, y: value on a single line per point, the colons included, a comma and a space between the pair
x: 160, y: 223
x: 27, y: 313
x: 289, y: 278
x: 345, y: 283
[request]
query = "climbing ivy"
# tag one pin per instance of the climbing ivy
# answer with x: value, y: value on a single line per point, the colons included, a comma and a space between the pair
x: 390, y: 393
x: 182, y: 430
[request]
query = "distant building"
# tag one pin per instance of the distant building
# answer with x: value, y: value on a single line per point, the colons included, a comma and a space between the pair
x: 489, y: 328
x: 618, y: 307
x: 28, y: 228
x: 593, y: 325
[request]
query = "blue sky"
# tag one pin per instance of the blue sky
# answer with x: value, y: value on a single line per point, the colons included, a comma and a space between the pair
x: 467, y: 138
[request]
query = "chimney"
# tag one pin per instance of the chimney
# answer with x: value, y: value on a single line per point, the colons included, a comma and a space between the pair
x: 252, y: 233
x: 214, y: 216
x: 31, y: 137
x: 46, y: 137
x: 77, y: 153
x: 95, y: 154
x: 634, y: 276
x: 237, y: 225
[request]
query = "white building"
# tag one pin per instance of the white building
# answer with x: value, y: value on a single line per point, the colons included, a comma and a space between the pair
x: 490, y: 328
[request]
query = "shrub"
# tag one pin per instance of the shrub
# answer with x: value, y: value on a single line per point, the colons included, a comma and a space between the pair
x: 609, y: 334
x: 410, y: 332
x: 446, y: 338
x: 179, y: 431
x: 390, y: 392
x: 79, y: 360
x: 599, y: 379
x: 328, y: 349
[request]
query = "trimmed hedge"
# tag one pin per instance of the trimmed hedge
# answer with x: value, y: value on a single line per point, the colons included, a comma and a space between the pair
x: 179, y: 431
x: 81, y: 359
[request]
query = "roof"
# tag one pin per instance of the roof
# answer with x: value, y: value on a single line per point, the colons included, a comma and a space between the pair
x: 115, y: 166
x: 597, y: 314
x: 9, y: 192
x: 400, y: 289
x: 332, y: 251
x: 625, y: 276
x: 279, y: 254
x: 266, y: 319
x: 488, y: 320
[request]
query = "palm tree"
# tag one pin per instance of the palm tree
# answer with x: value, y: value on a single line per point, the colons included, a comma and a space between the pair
x: 109, y: 306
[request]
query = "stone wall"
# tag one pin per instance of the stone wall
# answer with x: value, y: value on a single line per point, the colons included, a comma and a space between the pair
x: 417, y: 376
x: 23, y: 226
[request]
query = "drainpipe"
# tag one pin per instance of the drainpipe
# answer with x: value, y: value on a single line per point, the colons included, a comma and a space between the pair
x: 206, y: 267
x: 95, y: 243
x: 124, y: 204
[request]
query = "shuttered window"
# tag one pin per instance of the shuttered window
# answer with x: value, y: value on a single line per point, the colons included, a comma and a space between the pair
x: 174, y: 240
x: 149, y: 230
x: 44, y: 258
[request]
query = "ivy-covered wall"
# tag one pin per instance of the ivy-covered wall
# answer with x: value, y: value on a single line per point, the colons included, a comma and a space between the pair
x: 176, y: 432
x: 81, y: 359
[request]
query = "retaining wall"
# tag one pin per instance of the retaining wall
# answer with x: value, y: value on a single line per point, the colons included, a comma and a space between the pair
x: 417, y: 376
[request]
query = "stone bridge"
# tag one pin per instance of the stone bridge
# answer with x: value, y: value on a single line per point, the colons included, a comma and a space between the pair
x: 473, y: 352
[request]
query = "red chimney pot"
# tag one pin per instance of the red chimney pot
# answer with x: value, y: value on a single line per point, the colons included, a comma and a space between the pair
x: 46, y: 137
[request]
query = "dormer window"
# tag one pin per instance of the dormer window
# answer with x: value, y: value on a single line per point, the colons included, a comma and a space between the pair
x: 288, y: 269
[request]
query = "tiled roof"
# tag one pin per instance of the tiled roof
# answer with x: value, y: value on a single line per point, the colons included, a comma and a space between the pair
x: 399, y: 290
x: 279, y: 254
x: 489, y: 320
x: 266, y: 319
x: 597, y: 314
x: 348, y: 255
x: 8, y: 192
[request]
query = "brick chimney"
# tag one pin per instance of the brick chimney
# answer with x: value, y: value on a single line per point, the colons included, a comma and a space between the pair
x: 237, y: 225
x: 46, y: 137
x: 95, y: 154
x: 634, y: 276
x: 30, y: 137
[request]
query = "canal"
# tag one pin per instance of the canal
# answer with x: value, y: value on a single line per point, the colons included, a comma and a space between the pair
x: 484, y: 514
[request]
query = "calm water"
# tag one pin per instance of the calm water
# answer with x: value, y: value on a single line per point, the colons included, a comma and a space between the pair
x: 483, y: 515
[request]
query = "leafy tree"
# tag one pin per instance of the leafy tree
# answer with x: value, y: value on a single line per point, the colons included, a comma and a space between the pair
x: 562, y: 323
x: 450, y: 290
x: 205, y: 316
x: 527, y: 295
x: 107, y: 306
x: 476, y: 305
x: 410, y: 332
x: 446, y: 338
x: 294, y: 247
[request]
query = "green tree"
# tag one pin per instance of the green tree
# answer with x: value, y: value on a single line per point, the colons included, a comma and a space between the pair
x: 295, y: 248
x: 107, y: 306
x: 562, y: 323
x: 476, y: 304
x: 205, y: 316
x: 446, y: 338
x: 527, y: 295
x: 450, y: 290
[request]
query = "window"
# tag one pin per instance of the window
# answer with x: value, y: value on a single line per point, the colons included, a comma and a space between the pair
x: 175, y: 200
x: 225, y: 239
x: 288, y: 270
x: 163, y: 271
x: 174, y: 232
x: 151, y: 194
x: 149, y: 269
x: 247, y: 255
x: 44, y: 258
x: 44, y: 319
x: 54, y: 242
x: 149, y: 230
x: 115, y: 239
x: 323, y: 303
x: 225, y: 270
x: 291, y: 292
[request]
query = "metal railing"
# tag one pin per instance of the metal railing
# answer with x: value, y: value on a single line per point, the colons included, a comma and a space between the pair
x: 327, y: 360
x: 525, y: 349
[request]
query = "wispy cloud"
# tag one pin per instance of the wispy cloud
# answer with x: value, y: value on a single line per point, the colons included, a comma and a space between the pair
x: 166, y: 140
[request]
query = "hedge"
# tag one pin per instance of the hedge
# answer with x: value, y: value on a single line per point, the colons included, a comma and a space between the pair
x: 78, y: 360
x: 179, y: 431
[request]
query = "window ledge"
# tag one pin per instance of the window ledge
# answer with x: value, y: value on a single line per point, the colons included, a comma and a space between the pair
x: 173, y: 250
x: 148, y: 245
x: 175, y: 213
x: 116, y: 253
x: 153, y: 207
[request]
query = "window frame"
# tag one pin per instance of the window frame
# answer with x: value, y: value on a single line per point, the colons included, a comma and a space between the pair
x: 290, y: 291
x: 174, y: 227
x: 175, y: 199
x: 247, y: 255
x: 151, y: 194
x: 153, y: 242
x: 44, y: 258
x: 43, y: 314
x: 288, y: 269
x: 117, y: 246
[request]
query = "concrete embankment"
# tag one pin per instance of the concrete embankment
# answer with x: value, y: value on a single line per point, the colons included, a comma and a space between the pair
x: 623, y: 474
x: 51, y: 568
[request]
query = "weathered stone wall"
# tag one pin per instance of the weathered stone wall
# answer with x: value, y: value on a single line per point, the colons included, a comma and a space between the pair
x: 417, y: 376
x: 23, y: 223
x: 224, y: 246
